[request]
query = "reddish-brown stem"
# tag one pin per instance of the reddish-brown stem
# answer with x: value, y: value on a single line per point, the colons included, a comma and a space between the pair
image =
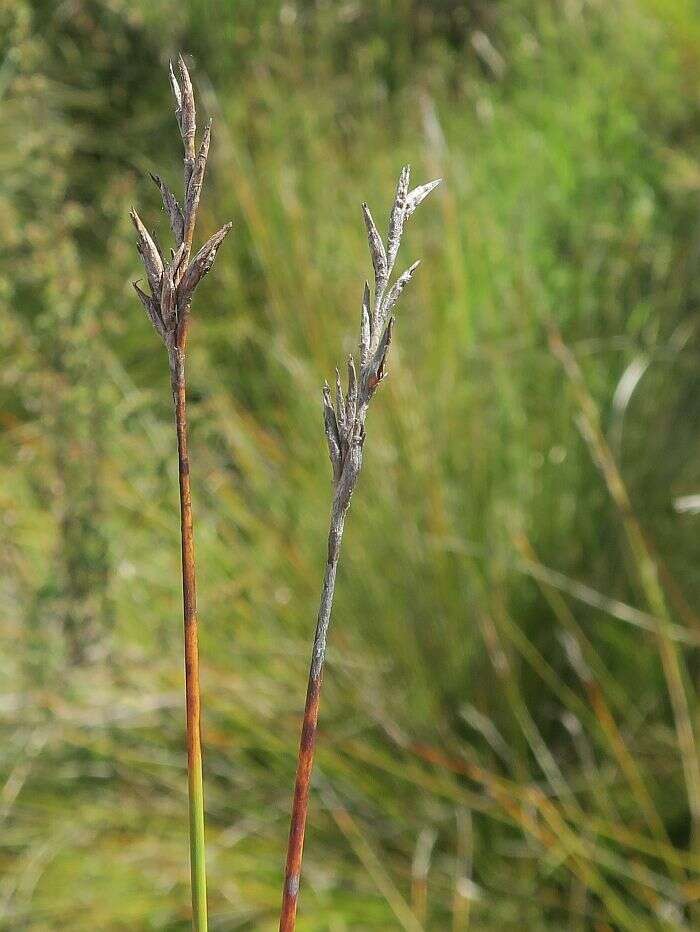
x: 172, y: 283
x: 192, y: 693
x: 300, y: 806
x: 344, y: 426
x: 307, y: 745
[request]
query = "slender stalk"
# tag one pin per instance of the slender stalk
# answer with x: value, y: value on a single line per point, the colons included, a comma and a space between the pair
x: 172, y: 282
x: 192, y: 694
x: 345, y: 435
x: 307, y: 743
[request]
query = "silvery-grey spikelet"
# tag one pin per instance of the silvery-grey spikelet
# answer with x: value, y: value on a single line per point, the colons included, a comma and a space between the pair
x: 344, y: 424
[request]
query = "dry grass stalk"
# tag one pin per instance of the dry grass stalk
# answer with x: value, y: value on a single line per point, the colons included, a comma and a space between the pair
x: 345, y: 434
x: 672, y: 659
x: 172, y: 282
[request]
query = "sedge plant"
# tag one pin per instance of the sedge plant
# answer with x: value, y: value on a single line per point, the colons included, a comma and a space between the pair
x: 344, y: 424
x: 172, y: 282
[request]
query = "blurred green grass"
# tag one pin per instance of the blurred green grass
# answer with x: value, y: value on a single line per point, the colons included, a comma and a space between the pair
x: 476, y: 693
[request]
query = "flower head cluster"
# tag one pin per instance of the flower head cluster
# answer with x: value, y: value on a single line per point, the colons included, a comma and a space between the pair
x: 173, y: 280
x: 345, y: 421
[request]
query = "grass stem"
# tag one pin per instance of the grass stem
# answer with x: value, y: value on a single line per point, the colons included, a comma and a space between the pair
x: 344, y: 424
x: 192, y: 692
x: 172, y: 282
x: 307, y: 744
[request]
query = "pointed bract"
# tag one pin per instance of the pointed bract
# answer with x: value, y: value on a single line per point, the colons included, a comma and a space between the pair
x: 396, y: 220
x: 365, y: 327
x: 168, y: 300
x: 187, y: 109
x: 419, y: 194
x: 396, y: 289
x: 351, y: 399
x: 177, y: 94
x: 377, y: 251
x: 339, y: 406
x: 194, y: 188
x: 156, y: 243
x: 150, y: 254
x: 376, y: 369
x: 172, y: 208
x: 151, y: 309
x: 177, y: 263
x: 332, y: 435
x: 202, y: 263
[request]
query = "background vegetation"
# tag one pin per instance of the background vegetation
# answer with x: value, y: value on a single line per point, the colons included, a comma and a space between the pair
x: 498, y: 747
